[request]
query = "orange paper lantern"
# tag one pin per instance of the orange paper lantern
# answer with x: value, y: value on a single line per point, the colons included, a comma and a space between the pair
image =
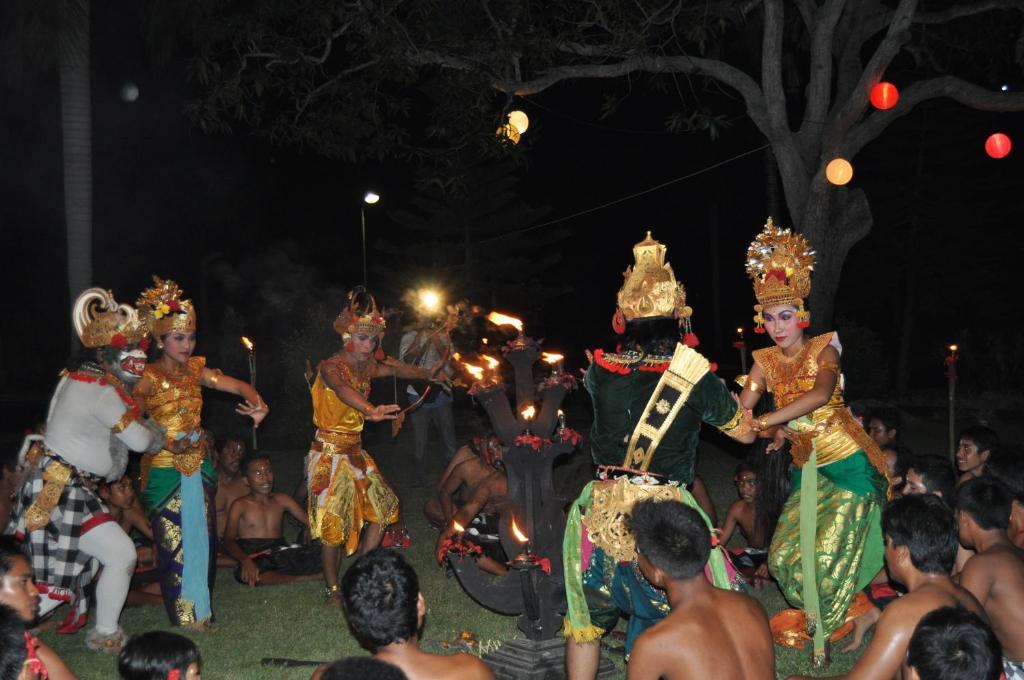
x: 884, y: 95
x: 998, y: 145
x: 839, y: 171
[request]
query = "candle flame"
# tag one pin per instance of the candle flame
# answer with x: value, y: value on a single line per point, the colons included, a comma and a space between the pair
x: 476, y: 371
x: 249, y: 345
x: 528, y: 412
x: 520, y: 536
x: 953, y: 348
x: 499, y: 319
x: 491, y: 361
x: 561, y: 412
x: 458, y: 527
x: 551, y: 357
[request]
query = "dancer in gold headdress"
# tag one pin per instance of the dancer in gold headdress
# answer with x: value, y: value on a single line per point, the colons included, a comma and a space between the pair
x: 828, y: 544
x: 350, y: 503
x: 178, y: 482
x: 649, y: 400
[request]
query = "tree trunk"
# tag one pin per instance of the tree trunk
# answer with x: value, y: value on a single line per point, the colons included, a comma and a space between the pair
x: 76, y: 131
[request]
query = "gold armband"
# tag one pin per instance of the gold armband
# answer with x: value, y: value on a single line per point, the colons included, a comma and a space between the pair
x: 829, y: 366
x: 753, y: 385
x: 127, y: 419
x: 215, y: 374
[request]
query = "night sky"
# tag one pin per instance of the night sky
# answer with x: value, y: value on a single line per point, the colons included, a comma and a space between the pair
x: 168, y: 198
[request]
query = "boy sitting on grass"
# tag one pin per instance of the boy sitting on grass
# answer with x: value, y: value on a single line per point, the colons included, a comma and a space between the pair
x: 752, y: 560
x: 710, y: 633
x: 385, y: 610
x: 920, y: 547
x: 953, y: 644
x: 995, y: 575
x: 253, y: 533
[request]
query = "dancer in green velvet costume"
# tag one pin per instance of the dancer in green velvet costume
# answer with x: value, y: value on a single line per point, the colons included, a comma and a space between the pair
x: 649, y: 401
x: 828, y: 544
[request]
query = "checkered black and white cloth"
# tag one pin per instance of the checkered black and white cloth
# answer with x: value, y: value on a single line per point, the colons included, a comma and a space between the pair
x: 62, y: 571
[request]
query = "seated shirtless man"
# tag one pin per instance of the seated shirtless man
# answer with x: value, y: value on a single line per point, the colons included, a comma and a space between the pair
x: 253, y: 535
x: 482, y: 476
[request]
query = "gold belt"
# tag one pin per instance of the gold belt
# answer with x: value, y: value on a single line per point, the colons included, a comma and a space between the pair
x: 334, y: 441
x: 56, y: 476
x: 829, y: 437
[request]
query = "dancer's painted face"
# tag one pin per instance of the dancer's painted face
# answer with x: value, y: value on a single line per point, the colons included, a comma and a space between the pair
x: 781, y: 323
x: 18, y: 590
x: 363, y: 345
x: 179, y: 346
x: 129, y: 365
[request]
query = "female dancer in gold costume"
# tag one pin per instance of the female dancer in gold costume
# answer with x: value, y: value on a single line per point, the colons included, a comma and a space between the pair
x: 350, y: 503
x: 178, y: 482
x: 828, y: 544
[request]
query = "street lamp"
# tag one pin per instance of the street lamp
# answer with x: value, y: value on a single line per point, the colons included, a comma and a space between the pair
x: 370, y: 198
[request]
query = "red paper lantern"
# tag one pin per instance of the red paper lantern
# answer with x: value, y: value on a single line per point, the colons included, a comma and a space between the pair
x: 884, y: 95
x: 998, y: 145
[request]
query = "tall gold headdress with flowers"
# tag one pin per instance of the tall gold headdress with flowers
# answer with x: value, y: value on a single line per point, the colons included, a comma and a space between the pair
x: 100, y: 321
x: 360, y: 316
x: 780, y: 263
x: 650, y: 290
x: 165, y: 309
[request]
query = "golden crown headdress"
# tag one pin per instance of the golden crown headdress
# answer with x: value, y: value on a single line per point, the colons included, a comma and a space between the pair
x: 780, y: 263
x: 100, y: 321
x: 165, y: 309
x: 360, y: 316
x: 650, y: 290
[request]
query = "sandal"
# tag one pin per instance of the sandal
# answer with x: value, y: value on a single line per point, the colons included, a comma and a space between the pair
x: 107, y: 643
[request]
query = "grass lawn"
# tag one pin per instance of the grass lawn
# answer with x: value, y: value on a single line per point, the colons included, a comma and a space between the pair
x: 292, y: 621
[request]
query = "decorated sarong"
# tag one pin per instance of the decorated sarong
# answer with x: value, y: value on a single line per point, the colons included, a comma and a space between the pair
x: 182, y: 513
x: 277, y: 555
x: 346, y: 490
x: 828, y: 543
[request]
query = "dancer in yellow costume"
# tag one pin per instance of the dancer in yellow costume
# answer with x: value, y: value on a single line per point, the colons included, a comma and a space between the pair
x: 178, y: 483
x: 828, y: 543
x: 350, y: 503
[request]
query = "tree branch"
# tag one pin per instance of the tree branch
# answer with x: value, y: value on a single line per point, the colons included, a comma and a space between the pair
x: 725, y: 73
x: 854, y: 107
x: 819, y: 89
x: 965, y: 9
x: 951, y: 87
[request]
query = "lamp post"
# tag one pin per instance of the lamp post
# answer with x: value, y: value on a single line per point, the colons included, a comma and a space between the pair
x: 370, y: 198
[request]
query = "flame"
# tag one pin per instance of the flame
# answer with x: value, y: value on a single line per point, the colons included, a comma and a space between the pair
x: 492, y: 363
x: 458, y: 527
x: 249, y: 345
x: 456, y: 356
x: 528, y: 412
x: 561, y: 413
x: 499, y: 319
x: 476, y: 371
x: 484, y: 340
x: 520, y: 536
x: 953, y: 348
x: 551, y: 358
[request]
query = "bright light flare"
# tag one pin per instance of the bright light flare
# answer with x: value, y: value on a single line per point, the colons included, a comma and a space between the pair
x: 499, y: 319
x: 520, y: 536
x: 551, y: 357
x: 458, y: 527
x: 953, y: 348
x: 492, y: 363
x: 430, y: 299
x: 519, y: 120
x: 371, y: 197
x: 561, y: 413
x: 249, y: 344
x: 528, y: 412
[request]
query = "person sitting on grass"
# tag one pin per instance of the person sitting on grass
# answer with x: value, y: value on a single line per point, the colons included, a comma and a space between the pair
x: 951, y: 643
x: 18, y: 591
x: 743, y: 514
x: 230, y: 480
x: 362, y: 667
x: 920, y: 547
x: 932, y: 475
x: 974, y: 447
x: 472, y: 465
x: 123, y: 503
x: 254, y: 537
x: 18, y: 660
x: 709, y: 632
x: 1007, y: 465
x: 159, y: 655
x: 385, y: 610
x: 995, y: 575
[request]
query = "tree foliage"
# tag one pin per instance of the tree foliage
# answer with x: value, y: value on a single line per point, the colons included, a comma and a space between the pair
x: 429, y: 77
